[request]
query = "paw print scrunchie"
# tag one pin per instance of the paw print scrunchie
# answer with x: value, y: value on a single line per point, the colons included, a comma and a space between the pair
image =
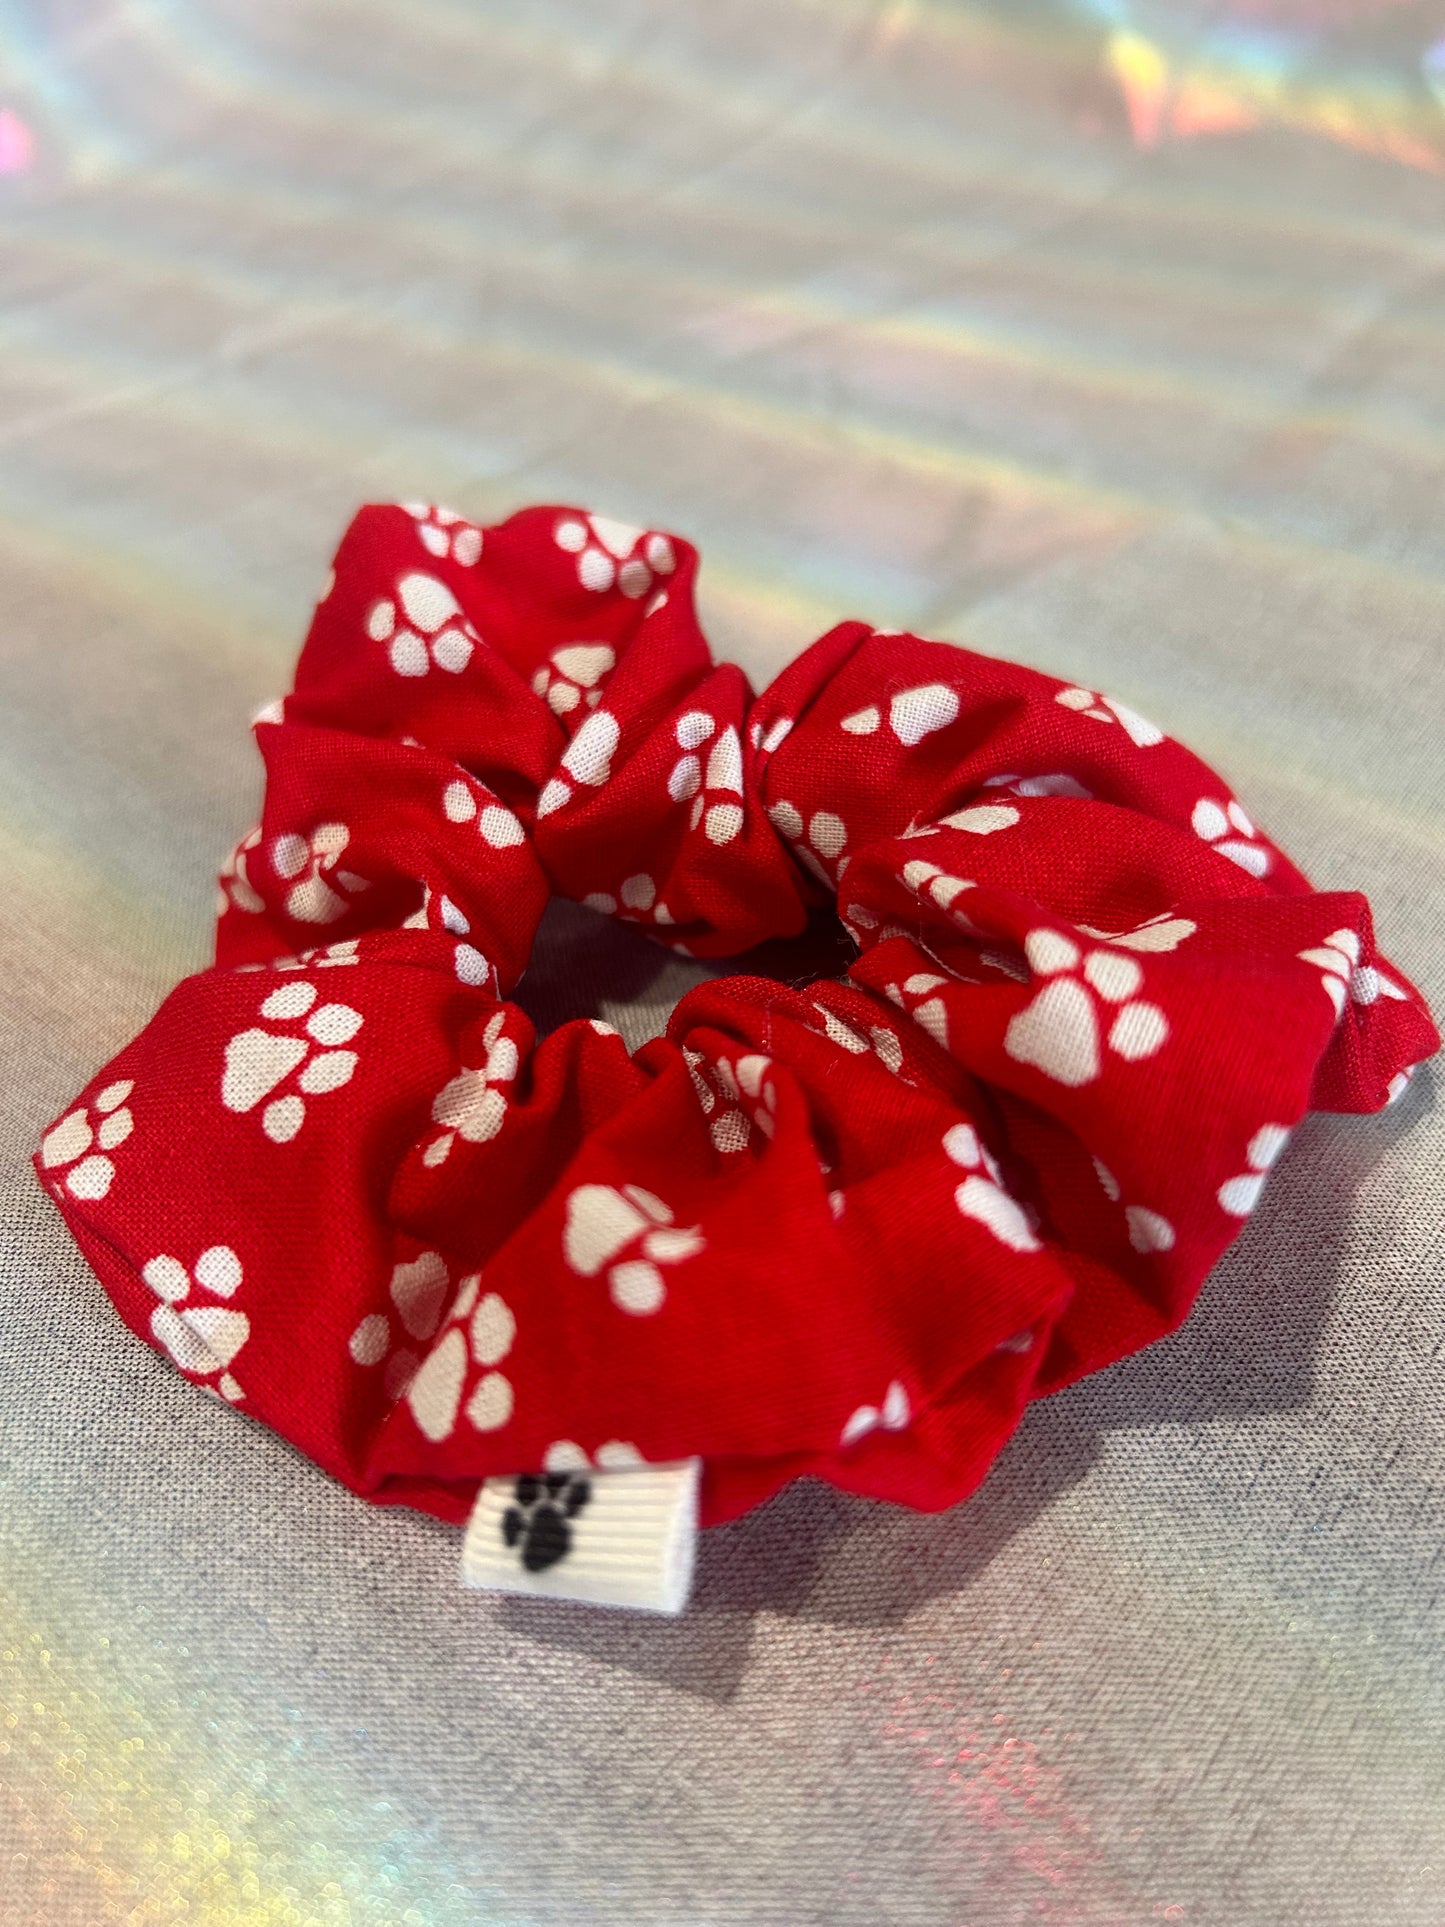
x: 846, y: 1229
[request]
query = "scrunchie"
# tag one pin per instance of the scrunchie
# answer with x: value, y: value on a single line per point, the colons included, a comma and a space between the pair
x: 845, y: 1229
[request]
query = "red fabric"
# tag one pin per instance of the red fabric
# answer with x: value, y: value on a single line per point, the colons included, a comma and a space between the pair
x: 847, y: 1229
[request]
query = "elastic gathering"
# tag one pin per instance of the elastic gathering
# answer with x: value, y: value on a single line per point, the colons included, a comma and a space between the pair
x: 846, y: 1229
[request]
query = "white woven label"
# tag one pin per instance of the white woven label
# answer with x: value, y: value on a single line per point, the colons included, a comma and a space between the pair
x: 623, y: 1536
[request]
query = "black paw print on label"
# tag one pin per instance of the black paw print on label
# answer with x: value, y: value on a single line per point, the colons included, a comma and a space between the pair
x: 543, y: 1503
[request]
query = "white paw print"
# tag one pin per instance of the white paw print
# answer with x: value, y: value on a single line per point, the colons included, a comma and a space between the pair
x: 445, y: 533
x: 473, y: 1106
x: 912, y: 714
x: 859, y: 919
x: 587, y: 760
x: 236, y: 887
x: 321, y: 891
x: 1336, y: 958
x: 918, y: 995
x: 433, y: 631
x: 715, y: 791
x: 201, y: 1336
x: 1368, y: 981
x: 816, y: 843
x: 978, y: 819
x: 1400, y: 1083
x: 257, y: 1060
x: 1020, y: 1342
x: 982, y: 1195
x: 1104, y: 709
x: 438, y: 912
x: 320, y: 957
x: 749, y: 1099
x: 473, y: 969
x: 757, y: 1091
x: 614, y: 1455
x: 604, y: 549
x: 1148, y: 1230
x: 765, y: 737
x: 75, y: 1149
x: 1051, y: 783
x: 706, y: 1094
x: 1059, y: 1031
x: 884, y: 1043
x: 1164, y: 932
x: 482, y: 1329
x: 891, y: 1416
x: 630, y: 1234
x: 1238, y: 1196
x: 940, y: 886
x: 1227, y: 829
x: 419, y: 1290
x: 464, y: 802
x: 864, y: 926
x: 927, y: 879
x: 572, y: 676
x: 636, y: 901
x: 1345, y: 977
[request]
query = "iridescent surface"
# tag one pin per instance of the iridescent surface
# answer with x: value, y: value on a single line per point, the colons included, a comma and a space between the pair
x: 1106, y: 335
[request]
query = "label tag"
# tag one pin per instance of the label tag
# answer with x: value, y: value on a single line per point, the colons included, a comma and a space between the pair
x: 619, y: 1536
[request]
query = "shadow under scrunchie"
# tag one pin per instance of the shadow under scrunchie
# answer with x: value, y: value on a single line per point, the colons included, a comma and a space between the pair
x: 1248, y: 1350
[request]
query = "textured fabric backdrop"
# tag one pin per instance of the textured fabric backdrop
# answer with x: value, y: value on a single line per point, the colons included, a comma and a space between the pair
x: 1106, y: 336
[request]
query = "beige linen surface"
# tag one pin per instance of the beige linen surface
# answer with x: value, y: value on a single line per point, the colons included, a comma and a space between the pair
x: 1106, y: 336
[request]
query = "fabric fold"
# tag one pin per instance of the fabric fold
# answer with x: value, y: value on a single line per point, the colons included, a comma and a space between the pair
x: 845, y: 1228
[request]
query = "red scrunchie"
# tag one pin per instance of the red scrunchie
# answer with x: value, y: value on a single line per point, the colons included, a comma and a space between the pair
x: 846, y: 1230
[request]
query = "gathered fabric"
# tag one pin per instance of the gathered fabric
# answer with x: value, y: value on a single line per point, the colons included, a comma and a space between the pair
x: 847, y: 1229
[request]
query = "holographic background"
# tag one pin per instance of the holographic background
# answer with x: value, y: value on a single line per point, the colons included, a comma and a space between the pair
x: 1104, y: 335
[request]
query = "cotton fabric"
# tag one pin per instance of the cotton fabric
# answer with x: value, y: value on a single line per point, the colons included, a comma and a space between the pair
x: 847, y: 1228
